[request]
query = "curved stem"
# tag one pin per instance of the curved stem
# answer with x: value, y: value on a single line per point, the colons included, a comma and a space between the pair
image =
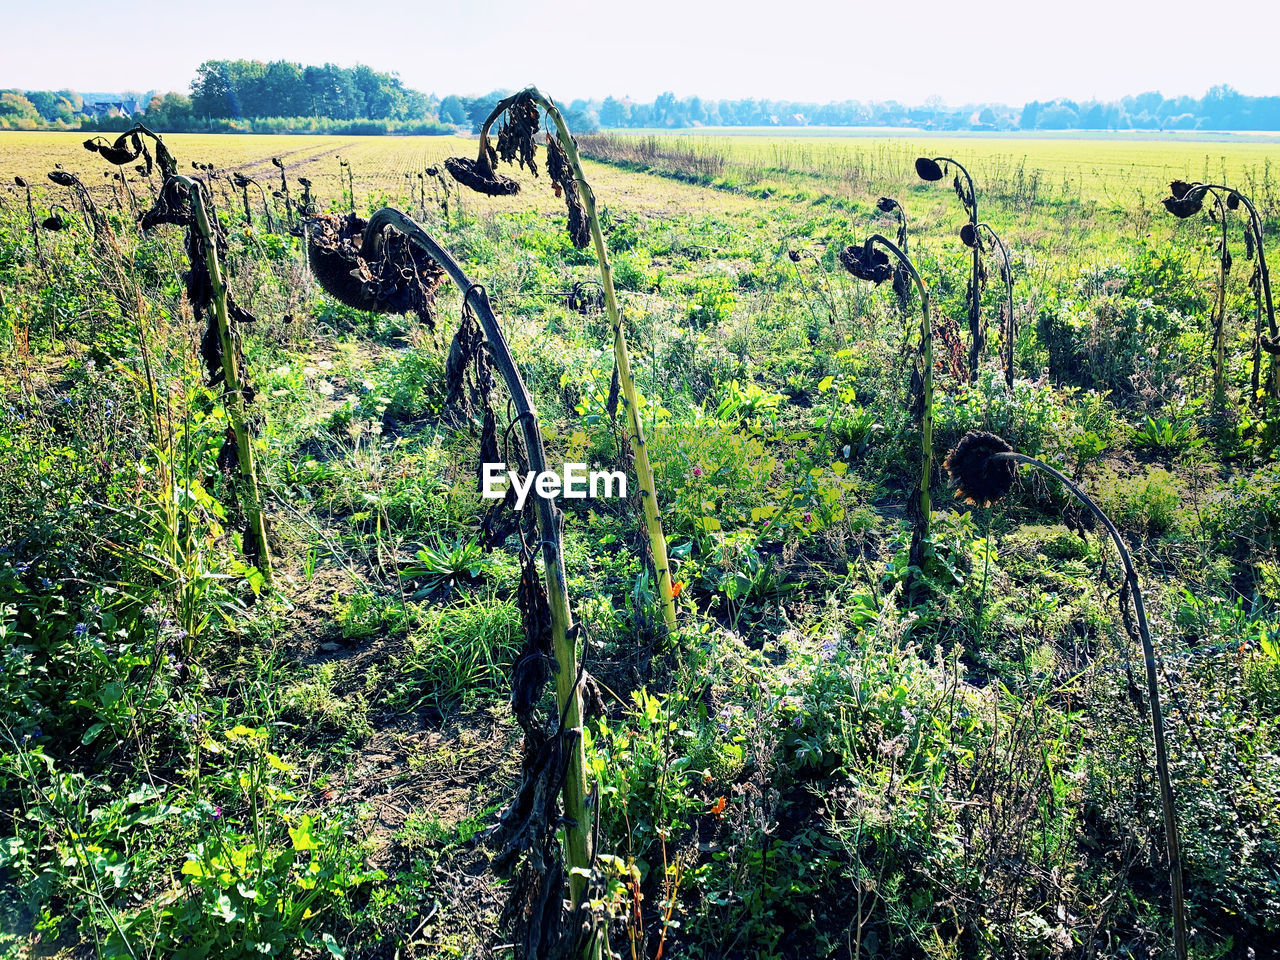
x: 923, y: 500
x: 975, y: 293
x: 1008, y: 287
x: 1220, y: 310
x: 568, y: 693
x: 640, y: 448
x: 1153, y: 694
x: 1264, y: 276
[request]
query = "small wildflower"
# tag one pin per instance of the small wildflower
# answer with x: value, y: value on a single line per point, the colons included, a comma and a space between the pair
x: 808, y: 518
x: 697, y: 471
x: 81, y: 629
x: 217, y: 812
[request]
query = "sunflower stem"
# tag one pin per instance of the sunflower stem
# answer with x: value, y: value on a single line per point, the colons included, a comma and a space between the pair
x: 233, y: 396
x: 1153, y: 694
x: 920, y: 531
x: 568, y: 688
x: 975, y: 292
x: 640, y: 448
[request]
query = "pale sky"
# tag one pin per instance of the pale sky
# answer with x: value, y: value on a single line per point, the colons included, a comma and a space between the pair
x: 907, y: 50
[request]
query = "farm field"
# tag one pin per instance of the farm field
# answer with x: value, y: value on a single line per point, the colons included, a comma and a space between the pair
x: 873, y: 730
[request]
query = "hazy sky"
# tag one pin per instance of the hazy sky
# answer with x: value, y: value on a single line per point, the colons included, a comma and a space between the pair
x: 892, y: 49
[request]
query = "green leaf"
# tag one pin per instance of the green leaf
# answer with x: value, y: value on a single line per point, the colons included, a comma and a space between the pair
x: 300, y: 836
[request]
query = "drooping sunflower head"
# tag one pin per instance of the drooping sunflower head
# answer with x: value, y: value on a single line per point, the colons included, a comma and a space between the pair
x: 867, y: 262
x: 470, y: 173
x: 979, y: 474
x: 1183, y: 200
x: 928, y: 169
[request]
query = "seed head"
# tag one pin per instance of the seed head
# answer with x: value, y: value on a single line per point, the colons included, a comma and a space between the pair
x: 867, y: 263
x: 980, y: 476
x: 19, y: 181
x: 1183, y: 200
x: 1233, y: 201
x: 62, y: 178
x: 968, y: 236
x: 886, y: 204
x: 469, y: 173
x: 927, y: 169
x: 54, y: 222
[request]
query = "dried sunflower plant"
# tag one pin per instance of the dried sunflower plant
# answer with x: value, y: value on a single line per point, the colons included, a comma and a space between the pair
x: 933, y: 169
x: 1187, y: 199
x: 184, y: 201
x: 519, y: 121
x: 866, y: 262
x: 982, y: 468
x: 390, y: 263
x: 970, y: 236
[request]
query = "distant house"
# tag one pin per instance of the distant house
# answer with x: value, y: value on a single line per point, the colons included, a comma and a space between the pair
x: 108, y: 108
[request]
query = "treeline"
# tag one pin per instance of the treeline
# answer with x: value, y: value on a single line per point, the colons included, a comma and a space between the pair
x: 1222, y: 108
x: 244, y: 96
x: 251, y: 96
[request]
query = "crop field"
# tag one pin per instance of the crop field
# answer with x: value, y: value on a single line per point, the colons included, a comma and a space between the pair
x: 937, y: 618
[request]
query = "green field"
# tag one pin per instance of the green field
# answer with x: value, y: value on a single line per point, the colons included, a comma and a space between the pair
x: 862, y: 739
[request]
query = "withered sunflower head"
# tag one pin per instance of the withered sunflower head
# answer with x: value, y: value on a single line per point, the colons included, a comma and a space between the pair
x: 886, y: 204
x: 1179, y: 189
x: 469, y: 173
x: 867, y: 263
x: 62, y: 178
x: 19, y: 181
x: 1185, y: 206
x: 1233, y: 201
x: 54, y: 222
x: 968, y: 235
x: 980, y: 476
x: 928, y: 169
x: 92, y: 144
x: 277, y: 162
x: 305, y: 182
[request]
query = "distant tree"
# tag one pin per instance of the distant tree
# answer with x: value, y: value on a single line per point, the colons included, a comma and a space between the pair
x: 17, y: 111
x: 453, y: 110
x: 1058, y: 116
x: 212, y: 92
x: 614, y: 113
x: 479, y: 108
x: 171, y: 112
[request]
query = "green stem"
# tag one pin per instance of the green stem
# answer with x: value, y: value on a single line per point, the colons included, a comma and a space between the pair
x: 644, y: 469
x: 1153, y: 694
x: 233, y: 395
